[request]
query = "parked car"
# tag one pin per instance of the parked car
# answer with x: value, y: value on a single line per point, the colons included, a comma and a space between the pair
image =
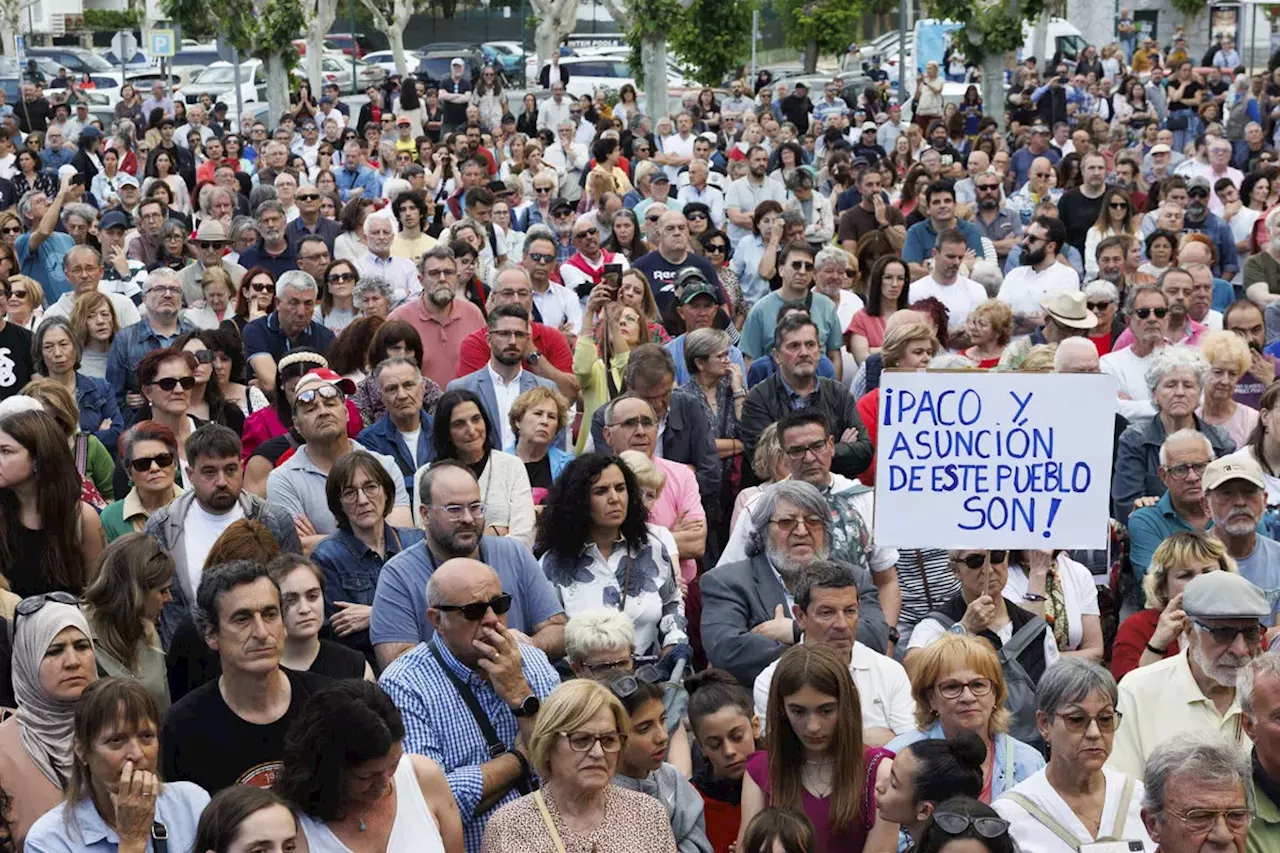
x: 346, y: 42
x: 385, y: 60
x: 588, y: 73
x: 218, y: 81
x: 337, y: 69
x: 191, y: 60
x: 433, y: 66
x: 77, y: 61
x: 506, y: 55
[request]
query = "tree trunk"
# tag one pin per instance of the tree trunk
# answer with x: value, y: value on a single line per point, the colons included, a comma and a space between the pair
x: 653, y: 56
x: 811, y: 55
x: 395, y: 37
x: 323, y: 13
x: 7, y: 31
x: 1039, y: 43
x: 993, y: 87
x: 277, y: 85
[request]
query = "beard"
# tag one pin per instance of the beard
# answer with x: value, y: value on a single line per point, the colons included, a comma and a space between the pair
x: 1035, y: 256
x: 1196, y: 210
x: 1223, y: 671
x: 451, y: 541
x: 1116, y: 277
x: 788, y: 567
x: 442, y: 296
x: 989, y: 204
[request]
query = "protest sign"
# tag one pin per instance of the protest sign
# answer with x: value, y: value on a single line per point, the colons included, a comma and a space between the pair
x: 969, y: 459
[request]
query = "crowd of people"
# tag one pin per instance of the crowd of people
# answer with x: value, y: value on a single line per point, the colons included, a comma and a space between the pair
x: 483, y: 476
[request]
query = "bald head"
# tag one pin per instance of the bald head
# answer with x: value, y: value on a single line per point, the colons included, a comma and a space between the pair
x: 1076, y: 355
x: 454, y: 588
x: 1040, y: 168
x: 462, y: 580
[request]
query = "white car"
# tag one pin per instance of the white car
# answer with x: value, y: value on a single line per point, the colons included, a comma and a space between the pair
x: 386, y: 60
x: 218, y: 81
x: 610, y: 71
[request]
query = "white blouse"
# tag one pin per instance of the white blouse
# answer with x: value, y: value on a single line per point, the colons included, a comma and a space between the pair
x: 1031, y: 834
x: 1079, y: 594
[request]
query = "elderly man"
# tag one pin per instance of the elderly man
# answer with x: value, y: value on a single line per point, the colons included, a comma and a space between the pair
x: 158, y: 99
x: 1184, y: 457
x: 1178, y: 285
x: 471, y: 696
x: 355, y: 179
x: 41, y: 247
x: 561, y: 304
x: 747, y: 605
x: 569, y: 158
x: 83, y: 267
x: 159, y: 327
x: 1236, y: 494
x: 267, y: 339
x: 379, y: 232
x: 197, y: 120
x: 827, y: 612
x: 1193, y: 692
x: 1196, y: 797
x: 442, y: 321
x: 1259, y: 688
x: 405, y: 432
x: 298, y: 484
x: 833, y: 279
x: 1147, y: 307
x: 273, y: 253
x: 452, y: 515
x: 210, y: 241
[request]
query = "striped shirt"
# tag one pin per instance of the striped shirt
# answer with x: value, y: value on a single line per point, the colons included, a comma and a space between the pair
x: 918, y: 571
x: 438, y: 724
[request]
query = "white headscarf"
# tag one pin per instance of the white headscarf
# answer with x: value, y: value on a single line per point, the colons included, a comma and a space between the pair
x: 46, y: 723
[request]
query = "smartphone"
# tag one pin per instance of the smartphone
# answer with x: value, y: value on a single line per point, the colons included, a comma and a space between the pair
x: 76, y: 181
x: 612, y: 275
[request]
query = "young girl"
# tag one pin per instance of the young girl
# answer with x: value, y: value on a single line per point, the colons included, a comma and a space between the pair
x: 641, y: 764
x: 726, y: 728
x: 927, y: 772
x: 779, y: 831
x: 815, y: 759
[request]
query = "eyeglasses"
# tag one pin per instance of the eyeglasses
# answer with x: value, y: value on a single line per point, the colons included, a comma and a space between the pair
x: 205, y: 244
x: 610, y: 742
x: 454, y: 512
x: 795, y: 454
x: 696, y: 217
x: 586, y: 232
x: 954, y: 689
x: 307, y: 196
x: 982, y: 188
x: 1108, y: 721
x: 203, y: 356
x: 977, y: 561
x: 542, y: 190
x: 954, y: 824
x: 1202, y: 820
x: 18, y: 294
x: 143, y: 463
x: 1144, y: 313
x: 14, y: 230
x: 512, y: 334
x: 1225, y: 635
x: 337, y: 277
x: 1097, y: 306
x: 165, y: 290
x: 632, y: 424
x: 1184, y: 469
x: 1119, y: 205
x: 476, y: 610
x: 261, y: 287
x: 786, y: 525
x: 605, y: 666
x: 654, y: 218
x: 171, y: 382
x: 801, y: 266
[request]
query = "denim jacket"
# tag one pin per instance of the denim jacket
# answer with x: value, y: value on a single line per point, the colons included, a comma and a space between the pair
x: 97, y: 404
x: 351, y: 568
x: 381, y: 436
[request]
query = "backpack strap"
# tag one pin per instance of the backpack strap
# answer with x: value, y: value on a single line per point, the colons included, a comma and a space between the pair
x: 1023, y: 637
x: 941, y: 618
x: 1045, y: 818
x: 1122, y: 813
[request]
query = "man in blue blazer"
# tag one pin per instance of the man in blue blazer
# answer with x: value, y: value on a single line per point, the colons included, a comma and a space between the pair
x: 504, y: 378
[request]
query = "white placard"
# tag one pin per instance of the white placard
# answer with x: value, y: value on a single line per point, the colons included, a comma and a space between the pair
x: 994, y: 460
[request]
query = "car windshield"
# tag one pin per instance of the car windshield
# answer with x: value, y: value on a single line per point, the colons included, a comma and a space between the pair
x: 94, y: 62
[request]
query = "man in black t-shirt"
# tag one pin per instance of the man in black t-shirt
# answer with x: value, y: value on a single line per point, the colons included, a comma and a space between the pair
x: 455, y: 94
x: 15, y: 352
x: 231, y: 731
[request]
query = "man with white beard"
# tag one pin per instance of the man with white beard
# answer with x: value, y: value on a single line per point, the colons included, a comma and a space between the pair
x: 1236, y: 492
x: 746, y: 606
x: 1193, y: 691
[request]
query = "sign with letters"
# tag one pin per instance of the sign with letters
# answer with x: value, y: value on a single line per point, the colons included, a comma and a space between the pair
x: 969, y: 459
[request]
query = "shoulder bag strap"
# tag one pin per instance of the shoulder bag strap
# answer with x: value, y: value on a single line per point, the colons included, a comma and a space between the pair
x: 1122, y: 813
x: 546, y: 819
x: 496, y: 746
x: 1024, y: 637
x: 159, y: 838
x: 1049, y: 822
x: 82, y: 452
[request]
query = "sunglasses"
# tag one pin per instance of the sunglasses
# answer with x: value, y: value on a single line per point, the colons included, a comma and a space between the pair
x: 341, y: 276
x: 1144, y: 313
x: 1097, y: 306
x: 143, y: 464
x: 171, y: 382
x: 982, y: 188
x: 954, y: 824
x: 208, y: 245
x: 716, y: 247
x: 203, y: 356
x: 18, y: 294
x: 542, y: 190
x: 587, y: 232
x: 694, y: 217
x: 801, y: 266
x: 654, y: 218
x: 1119, y: 205
x: 14, y: 230
x: 259, y: 287
x: 307, y: 196
x: 539, y: 258
x: 977, y: 561
x: 476, y: 610
x: 34, y: 604
x: 323, y: 392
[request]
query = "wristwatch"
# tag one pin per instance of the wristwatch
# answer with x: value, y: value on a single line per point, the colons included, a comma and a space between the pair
x: 528, y: 708
x: 894, y: 636
x: 957, y: 628
x: 532, y: 358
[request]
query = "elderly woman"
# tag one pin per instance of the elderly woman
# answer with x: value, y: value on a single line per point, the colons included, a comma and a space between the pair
x: 577, y: 738
x: 819, y: 226
x: 958, y: 685
x: 373, y: 297
x: 1075, y: 801
x: 25, y: 304
x: 216, y: 287
x: 1229, y: 358
x: 114, y: 795
x: 981, y: 608
x: 56, y: 354
x: 1176, y: 377
x: 351, y: 790
x: 1103, y: 300
x: 717, y: 385
x: 907, y: 346
x: 123, y: 603
x: 149, y: 456
x: 598, y: 551
x: 53, y: 663
x: 927, y: 772
x: 166, y: 378
x: 536, y: 417
x: 1151, y: 635
x: 990, y: 328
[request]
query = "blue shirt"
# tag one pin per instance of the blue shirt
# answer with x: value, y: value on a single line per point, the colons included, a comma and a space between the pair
x: 1262, y: 569
x: 1150, y: 526
x: 400, y: 601
x: 178, y: 807
x: 922, y: 238
x: 45, y: 264
x: 127, y: 350
x: 363, y: 177
x: 1219, y: 232
x: 675, y: 346
x: 98, y: 404
x: 277, y: 265
x: 438, y: 725
x: 381, y: 436
x: 264, y: 335
x: 757, y: 332
x: 351, y: 568
x: 1025, y: 760
x: 1020, y: 162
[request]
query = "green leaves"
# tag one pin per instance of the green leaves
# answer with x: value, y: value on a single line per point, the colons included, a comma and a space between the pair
x: 258, y: 29
x: 999, y: 31
x: 831, y: 24
x: 709, y: 39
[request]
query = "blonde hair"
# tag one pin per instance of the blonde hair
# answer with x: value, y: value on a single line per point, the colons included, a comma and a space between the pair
x: 1226, y: 347
x: 897, y: 339
x: 1181, y: 549
x: 534, y: 397
x: 217, y: 275
x: 35, y: 293
x: 569, y: 707
x: 58, y: 401
x: 768, y: 453
x: 79, y: 317
x: 999, y: 317
x: 952, y: 653
x: 1039, y: 359
x: 647, y: 474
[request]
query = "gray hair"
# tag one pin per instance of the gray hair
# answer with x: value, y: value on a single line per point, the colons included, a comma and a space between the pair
x: 798, y: 492
x: 1079, y: 348
x: 609, y: 406
x: 1184, y: 435
x: 539, y: 232
x: 1209, y: 758
x: 298, y: 280
x: 595, y: 631
x: 822, y: 574
x: 80, y: 209
x: 703, y: 343
x: 1071, y: 681
x: 987, y: 274
x: 1169, y: 359
x: 260, y: 195
x: 158, y: 275
x: 368, y: 284
x: 394, y: 361
x: 831, y: 255
x: 28, y: 198
x: 267, y: 206
x: 1267, y: 663
x: 239, y: 225
x: 1100, y: 287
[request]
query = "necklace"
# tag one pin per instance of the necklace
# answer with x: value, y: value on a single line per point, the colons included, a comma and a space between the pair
x: 822, y: 763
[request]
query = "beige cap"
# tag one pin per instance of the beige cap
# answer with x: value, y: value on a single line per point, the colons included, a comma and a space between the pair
x: 1237, y: 466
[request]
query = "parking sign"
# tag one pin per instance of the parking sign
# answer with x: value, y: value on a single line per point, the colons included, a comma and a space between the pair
x: 162, y: 43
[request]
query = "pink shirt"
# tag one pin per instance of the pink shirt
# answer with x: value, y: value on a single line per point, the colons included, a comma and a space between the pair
x: 1194, y: 332
x: 679, y: 497
x: 441, y: 340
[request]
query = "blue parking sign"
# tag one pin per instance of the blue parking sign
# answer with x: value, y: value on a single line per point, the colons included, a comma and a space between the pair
x: 161, y: 43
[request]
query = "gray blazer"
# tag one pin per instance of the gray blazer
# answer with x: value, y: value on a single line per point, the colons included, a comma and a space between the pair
x: 738, y: 596
x: 480, y: 383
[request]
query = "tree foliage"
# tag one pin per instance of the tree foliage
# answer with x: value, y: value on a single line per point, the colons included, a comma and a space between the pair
x: 989, y: 27
x: 830, y: 24
x: 111, y: 20
x: 258, y: 28
x: 709, y: 39
x: 1190, y: 8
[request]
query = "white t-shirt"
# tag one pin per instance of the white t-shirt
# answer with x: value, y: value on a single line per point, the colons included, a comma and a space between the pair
x: 1031, y: 834
x: 411, y: 441
x: 1024, y: 288
x: 961, y: 297
x: 1129, y: 370
x: 850, y: 304
x: 1079, y: 594
x: 201, y: 530
x: 681, y: 148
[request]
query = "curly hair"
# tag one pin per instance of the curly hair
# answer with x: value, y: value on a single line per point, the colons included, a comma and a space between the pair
x: 565, y: 524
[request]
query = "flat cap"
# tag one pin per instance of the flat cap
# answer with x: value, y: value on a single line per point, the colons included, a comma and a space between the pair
x: 1224, y: 595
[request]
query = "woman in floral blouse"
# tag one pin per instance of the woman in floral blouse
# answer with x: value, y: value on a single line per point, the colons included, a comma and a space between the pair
x: 600, y: 553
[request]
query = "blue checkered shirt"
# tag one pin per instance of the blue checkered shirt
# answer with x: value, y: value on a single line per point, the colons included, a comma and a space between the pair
x: 438, y: 725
